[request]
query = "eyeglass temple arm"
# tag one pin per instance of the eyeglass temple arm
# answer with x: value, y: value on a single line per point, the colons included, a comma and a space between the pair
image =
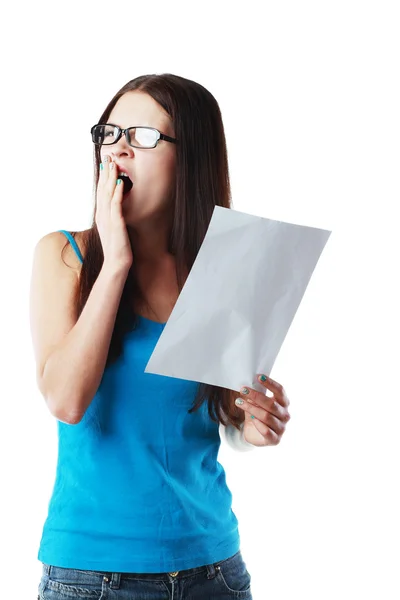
x: 167, y: 138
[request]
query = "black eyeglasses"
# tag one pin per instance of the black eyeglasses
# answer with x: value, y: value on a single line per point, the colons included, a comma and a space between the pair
x: 138, y: 137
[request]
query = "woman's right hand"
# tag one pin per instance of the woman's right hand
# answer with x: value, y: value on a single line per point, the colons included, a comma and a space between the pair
x: 109, y: 219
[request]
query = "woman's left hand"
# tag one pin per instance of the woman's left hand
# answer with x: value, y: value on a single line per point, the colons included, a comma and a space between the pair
x: 270, y: 413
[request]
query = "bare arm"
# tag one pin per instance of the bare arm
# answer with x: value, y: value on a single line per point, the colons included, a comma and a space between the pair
x: 71, y: 353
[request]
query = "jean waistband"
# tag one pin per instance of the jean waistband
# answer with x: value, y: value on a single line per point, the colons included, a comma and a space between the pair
x: 115, y: 577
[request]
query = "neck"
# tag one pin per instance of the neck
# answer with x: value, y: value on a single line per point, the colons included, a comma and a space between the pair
x: 150, y: 243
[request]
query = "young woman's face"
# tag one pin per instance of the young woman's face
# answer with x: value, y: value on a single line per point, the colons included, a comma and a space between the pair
x: 152, y: 170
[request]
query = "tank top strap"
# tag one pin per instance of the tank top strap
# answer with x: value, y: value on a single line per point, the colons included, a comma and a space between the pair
x: 73, y: 244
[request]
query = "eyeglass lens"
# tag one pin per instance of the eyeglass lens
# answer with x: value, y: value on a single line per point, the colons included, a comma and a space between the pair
x: 142, y: 137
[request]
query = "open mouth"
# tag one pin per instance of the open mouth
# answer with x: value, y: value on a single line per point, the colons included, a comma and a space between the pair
x: 128, y: 184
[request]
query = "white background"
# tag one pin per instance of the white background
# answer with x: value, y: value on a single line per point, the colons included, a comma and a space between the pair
x: 309, y: 93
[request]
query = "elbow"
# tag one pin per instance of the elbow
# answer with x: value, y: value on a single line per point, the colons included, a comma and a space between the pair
x: 60, y: 408
x: 68, y: 419
x: 62, y: 411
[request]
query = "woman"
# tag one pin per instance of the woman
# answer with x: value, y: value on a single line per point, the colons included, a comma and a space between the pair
x: 140, y: 506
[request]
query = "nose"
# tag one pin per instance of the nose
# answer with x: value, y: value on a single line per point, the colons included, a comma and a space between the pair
x: 121, y: 148
x: 120, y: 152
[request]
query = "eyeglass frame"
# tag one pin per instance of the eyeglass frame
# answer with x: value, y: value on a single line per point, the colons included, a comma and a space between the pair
x: 161, y: 136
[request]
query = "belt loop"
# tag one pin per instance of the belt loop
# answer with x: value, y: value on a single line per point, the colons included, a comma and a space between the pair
x: 211, y: 571
x: 46, y: 569
x: 115, y: 581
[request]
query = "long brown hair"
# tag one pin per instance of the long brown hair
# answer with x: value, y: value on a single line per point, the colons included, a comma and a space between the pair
x: 202, y: 182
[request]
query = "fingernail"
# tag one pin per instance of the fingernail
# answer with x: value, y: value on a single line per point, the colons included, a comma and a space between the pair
x: 239, y: 401
x: 263, y: 378
x: 245, y: 390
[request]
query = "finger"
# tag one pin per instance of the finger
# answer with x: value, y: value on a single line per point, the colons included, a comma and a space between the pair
x: 112, y: 177
x: 279, y: 412
x: 109, y: 181
x: 104, y: 169
x: 276, y: 388
x: 254, y: 396
x: 270, y: 436
x: 265, y: 417
x: 267, y: 403
x: 116, y: 202
x: 104, y: 176
x: 108, y: 170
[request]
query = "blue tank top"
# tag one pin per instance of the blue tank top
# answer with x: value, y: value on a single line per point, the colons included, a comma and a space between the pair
x: 138, y: 487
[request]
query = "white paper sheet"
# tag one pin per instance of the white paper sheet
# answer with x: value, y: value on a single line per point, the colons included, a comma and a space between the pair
x: 239, y: 300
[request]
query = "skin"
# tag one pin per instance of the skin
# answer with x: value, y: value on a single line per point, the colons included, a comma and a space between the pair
x: 148, y: 206
x: 270, y: 413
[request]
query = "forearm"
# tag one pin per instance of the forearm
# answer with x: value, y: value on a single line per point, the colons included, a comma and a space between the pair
x: 73, y: 371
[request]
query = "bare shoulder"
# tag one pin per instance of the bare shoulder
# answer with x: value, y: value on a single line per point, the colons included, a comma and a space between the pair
x: 58, y: 242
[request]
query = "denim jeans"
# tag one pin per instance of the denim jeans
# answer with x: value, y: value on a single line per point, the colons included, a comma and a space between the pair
x: 222, y: 580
